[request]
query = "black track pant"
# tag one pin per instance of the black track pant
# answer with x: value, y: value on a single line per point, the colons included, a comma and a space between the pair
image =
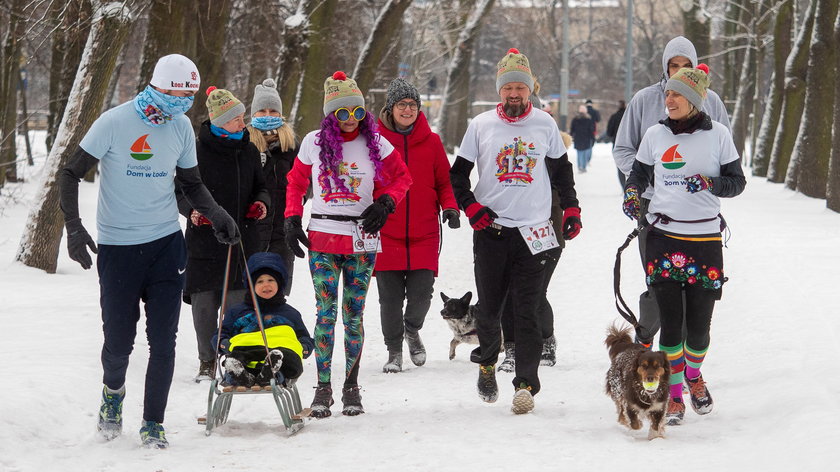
x: 154, y: 274
x: 504, y: 265
x: 545, y: 312
x: 698, y: 304
x: 412, y: 287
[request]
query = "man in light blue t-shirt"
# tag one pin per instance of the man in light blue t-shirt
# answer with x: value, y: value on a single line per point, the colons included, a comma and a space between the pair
x: 141, y: 147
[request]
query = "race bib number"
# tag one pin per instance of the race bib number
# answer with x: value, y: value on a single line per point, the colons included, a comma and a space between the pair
x: 539, y: 237
x: 365, y: 242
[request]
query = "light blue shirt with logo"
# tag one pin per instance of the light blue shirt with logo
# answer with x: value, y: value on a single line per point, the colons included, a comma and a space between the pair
x: 137, y: 165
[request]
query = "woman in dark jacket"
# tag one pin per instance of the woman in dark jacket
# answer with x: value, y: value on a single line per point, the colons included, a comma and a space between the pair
x: 582, y: 130
x: 406, y: 269
x: 275, y: 139
x: 230, y: 169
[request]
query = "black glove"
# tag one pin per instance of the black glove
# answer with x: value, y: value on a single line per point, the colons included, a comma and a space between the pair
x: 78, y: 240
x: 375, y: 215
x: 224, y: 227
x: 452, y: 218
x: 294, y: 234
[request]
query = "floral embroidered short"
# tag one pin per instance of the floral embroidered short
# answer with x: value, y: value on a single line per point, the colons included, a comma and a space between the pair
x: 686, y: 259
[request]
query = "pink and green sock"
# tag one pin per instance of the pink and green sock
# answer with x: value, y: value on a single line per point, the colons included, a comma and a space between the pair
x: 676, y: 359
x: 693, y: 360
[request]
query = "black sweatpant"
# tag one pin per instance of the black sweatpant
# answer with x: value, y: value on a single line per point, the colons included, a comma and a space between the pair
x: 153, y: 273
x: 697, y: 303
x: 504, y: 265
x: 414, y: 287
x: 545, y: 312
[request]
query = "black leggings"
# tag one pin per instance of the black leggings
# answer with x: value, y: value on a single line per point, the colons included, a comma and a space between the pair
x: 699, y: 305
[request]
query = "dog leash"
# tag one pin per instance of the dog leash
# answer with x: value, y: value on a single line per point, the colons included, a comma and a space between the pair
x: 620, y: 304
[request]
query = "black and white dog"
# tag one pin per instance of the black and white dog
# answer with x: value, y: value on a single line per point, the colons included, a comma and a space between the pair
x: 460, y: 316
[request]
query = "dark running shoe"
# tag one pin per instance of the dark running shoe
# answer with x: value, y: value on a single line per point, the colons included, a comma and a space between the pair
x: 152, y: 435
x: 701, y: 400
x: 676, y: 412
x: 205, y: 371
x: 322, y: 401
x: 488, y: 389
x: 110, y: 414
x: 352, y: 400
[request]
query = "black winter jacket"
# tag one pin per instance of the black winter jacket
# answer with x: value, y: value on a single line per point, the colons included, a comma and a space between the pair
x: 277, y: 164
x: 232, y: 173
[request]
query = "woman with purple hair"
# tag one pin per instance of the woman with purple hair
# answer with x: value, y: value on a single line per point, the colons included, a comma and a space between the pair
x: 358, y: 180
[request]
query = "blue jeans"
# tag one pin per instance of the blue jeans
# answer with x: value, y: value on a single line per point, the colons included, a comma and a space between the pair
x: 583, y: 157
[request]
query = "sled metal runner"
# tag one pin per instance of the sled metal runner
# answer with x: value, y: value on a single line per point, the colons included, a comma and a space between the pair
x: 286, y: 398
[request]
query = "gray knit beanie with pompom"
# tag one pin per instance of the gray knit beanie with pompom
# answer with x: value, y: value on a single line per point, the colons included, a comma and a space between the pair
x: 266, y: 97
x: 398, y: 90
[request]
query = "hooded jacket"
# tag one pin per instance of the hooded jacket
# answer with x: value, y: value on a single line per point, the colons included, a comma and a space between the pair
x: 231, y: 171
x: 411, y: 236
x: 283, y: 324
x: 647, y: 108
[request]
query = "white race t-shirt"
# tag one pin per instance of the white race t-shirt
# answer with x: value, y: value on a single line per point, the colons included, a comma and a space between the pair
x: 675, y: 157
x: 137, y: 162
x: 512, y: 177
x: 356, y: 171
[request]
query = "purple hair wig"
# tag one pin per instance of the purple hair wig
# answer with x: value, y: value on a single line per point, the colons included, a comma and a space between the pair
x: 330, y: 142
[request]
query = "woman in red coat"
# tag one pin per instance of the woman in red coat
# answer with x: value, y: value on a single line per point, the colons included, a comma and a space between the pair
x: 406, y: 269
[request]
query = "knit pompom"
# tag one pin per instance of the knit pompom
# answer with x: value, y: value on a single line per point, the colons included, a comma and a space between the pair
x: 210, y: 90
x: 269, y: 83
x: 339, y: 75
x: 704, y: 68
x: 513, y: 51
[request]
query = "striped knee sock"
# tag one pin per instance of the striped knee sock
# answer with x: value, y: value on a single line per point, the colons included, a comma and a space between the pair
x: 694, y: 359
x: 677, y: 361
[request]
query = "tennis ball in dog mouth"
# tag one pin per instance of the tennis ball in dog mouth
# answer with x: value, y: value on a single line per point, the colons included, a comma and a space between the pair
x: 650, y: 386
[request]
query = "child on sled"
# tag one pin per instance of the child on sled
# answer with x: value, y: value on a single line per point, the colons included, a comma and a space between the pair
x: 241, y: 341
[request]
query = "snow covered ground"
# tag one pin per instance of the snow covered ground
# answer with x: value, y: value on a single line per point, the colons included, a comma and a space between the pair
x: 775, y: 406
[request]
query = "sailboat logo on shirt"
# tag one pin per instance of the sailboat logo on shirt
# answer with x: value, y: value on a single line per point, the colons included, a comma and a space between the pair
x: 141, y: 150
x: 671, y: 159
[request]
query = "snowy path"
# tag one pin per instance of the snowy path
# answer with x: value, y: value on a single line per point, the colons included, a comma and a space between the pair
x: 775, y: 409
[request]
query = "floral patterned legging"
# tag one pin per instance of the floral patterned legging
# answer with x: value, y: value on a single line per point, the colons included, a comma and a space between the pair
x: 326, y: 269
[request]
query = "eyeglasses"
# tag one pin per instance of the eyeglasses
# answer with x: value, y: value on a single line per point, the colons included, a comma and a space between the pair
x: 403, y: 105
x: 344, y: 114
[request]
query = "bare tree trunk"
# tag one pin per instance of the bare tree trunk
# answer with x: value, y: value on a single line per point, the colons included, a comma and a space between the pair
x: 697, y: 28
x: 68, y: 42
x: 294, y: 53
x: 743, y: 103
x: 8, y: 91
x: 772, y: 115
x: 455, y: 109
x: 212, y: 26
x: 380, y: 42
x: 796, y: 69
x: 310, y: 94
x: 832, y: 196
x: 813, y: 143
x: 164, y: 35
x: 41, y: 238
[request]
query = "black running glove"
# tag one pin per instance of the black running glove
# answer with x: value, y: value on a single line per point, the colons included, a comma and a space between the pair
x: 375, y: 215
x: 224, y: 227
x: 78, y: 240
x: 452, y: 218
x: 295, y: 234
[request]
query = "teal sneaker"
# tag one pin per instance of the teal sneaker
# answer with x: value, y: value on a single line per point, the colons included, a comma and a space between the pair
x: 153, y: 436
x: 110, y: 414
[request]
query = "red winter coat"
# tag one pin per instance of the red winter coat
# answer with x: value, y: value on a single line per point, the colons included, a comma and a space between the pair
x: 411, y: 237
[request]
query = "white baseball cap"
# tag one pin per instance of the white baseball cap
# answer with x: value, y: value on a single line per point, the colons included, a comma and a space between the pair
x: 176, y: 72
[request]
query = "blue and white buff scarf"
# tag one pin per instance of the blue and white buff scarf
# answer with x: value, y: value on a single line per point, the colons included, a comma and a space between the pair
x: 156, y: 108
x: 266, y: 123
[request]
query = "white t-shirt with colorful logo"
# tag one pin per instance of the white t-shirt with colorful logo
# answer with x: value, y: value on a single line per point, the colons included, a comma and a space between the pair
x: 512, y: 177
x: 675, y: 157
x: 356, y: 171
x: 137, y: 163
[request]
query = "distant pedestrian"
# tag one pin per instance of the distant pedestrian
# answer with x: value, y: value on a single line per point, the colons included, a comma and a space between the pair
x: 582, y: 130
